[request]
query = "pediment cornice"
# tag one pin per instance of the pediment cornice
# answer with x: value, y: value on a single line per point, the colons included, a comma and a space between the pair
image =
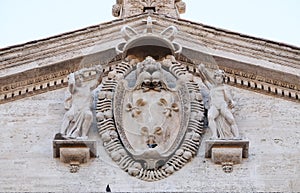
x: 43, y: 65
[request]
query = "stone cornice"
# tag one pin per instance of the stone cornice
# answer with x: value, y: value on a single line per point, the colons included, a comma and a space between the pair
x: 38, y: 81
x: 232, y: 42
x: 62, y: 47
x: 210, y: 37
x: 43, y: 65
x: 261, y: 84
x: 52, y: 79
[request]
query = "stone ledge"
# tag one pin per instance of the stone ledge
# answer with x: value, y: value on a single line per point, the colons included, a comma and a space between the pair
x: 221, y: 155
x: 58, y: 144
x: 209, y: 144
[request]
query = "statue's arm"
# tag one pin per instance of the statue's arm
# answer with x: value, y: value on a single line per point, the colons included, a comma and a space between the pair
x: 70, y: 91
x: 228, y: 98
x: 71, y: 83
x: 208, y: 80
x: 91, y: 101
x: 99, y: 73
x: 68, y: 100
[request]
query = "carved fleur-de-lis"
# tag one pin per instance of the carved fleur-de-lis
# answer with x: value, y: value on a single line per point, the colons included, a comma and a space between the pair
x: 135, y: 109
x: 168, y: 109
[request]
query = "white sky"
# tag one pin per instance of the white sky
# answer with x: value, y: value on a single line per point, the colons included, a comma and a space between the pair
x: 26, y: 20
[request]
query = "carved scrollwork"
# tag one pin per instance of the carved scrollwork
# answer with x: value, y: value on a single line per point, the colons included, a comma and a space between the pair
x: 153, y: 127
x: 150, y: 112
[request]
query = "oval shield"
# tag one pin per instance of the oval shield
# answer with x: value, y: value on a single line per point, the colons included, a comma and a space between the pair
x: 150, y: 120
x: 150, y: 117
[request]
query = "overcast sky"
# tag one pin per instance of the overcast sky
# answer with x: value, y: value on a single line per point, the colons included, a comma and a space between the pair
x: 26, y: 20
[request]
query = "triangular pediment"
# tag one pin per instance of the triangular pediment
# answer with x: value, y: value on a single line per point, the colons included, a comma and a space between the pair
x: 252, y: 63
x: 147, y: 100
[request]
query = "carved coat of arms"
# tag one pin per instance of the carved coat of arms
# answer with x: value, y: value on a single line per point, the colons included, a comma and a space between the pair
x: 150, y: 111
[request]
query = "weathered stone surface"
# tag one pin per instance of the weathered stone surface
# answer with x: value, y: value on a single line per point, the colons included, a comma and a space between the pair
x: 271, y: 124
x: 222, y: 155
x: 27, y: 163
x: 71, y: 155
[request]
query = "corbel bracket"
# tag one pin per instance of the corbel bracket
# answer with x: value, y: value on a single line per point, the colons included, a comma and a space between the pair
x: 226, y: 152
x: 74, y: 152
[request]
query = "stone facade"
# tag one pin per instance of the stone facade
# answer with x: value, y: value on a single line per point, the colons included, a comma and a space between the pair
x: 27, y: 162
x: 150, y: 104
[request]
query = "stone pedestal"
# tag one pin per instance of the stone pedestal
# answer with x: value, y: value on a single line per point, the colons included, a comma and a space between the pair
x: 74, y: 152
x: 226, y: 152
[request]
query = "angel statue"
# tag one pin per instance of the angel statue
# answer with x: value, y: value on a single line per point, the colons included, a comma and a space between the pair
x: 79, y: 102
x: 220, y: 118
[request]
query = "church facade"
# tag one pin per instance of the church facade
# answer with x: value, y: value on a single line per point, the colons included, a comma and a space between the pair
x: 150, y: 102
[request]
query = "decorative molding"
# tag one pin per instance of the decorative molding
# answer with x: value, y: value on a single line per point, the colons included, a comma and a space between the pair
x: 58, y: 79
x: 216, y: 40
x: 264, y: 85
x: 48, y: 52
x: 192, y: 32
x: 31, y: 87
x: 64, y: 46
x: 113, y: 132
x: 261, y: 84
x: 50, y: 80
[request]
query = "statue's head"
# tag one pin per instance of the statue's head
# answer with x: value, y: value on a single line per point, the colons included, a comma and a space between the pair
x: 149, y: 59
x: 79, y: 78
x: 219, y: 76
x: 150, y: 65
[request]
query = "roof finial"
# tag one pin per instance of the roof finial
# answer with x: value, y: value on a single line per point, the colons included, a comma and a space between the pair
x: 126, y: 8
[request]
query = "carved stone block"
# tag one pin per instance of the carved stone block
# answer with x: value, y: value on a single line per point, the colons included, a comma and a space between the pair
x: 73, y: 154
x: 220, y: 155
x: 90, y: 144
x: 209, y: 144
